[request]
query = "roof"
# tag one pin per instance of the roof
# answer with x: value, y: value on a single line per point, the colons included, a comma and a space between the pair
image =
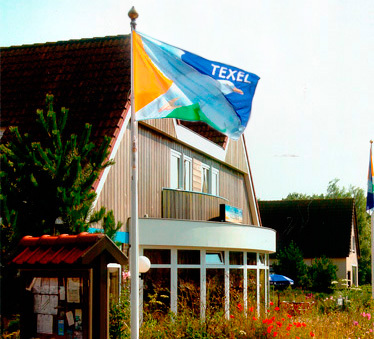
x: 65, y: 249
x: 91, y: 77
x: 319, y: 227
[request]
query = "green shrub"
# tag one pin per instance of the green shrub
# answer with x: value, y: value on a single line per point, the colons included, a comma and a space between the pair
x: 322, y: 273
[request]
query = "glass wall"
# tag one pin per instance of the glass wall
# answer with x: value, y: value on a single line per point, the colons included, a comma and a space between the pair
x: 204, y: 281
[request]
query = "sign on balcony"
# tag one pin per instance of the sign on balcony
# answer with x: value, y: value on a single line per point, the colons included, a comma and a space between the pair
x: 231, y: 214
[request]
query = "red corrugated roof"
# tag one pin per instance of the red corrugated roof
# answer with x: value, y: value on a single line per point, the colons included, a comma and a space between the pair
x: 55, y: 250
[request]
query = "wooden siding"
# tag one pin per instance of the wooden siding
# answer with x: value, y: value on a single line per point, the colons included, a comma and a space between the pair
x: 164, y: 125
x: 196, y: 175
x: 154, y: 169
x: 235, y: 155
x: 182, y: 205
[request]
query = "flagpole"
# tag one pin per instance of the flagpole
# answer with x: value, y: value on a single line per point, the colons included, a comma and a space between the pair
x: 134, y: 235
x: 372, y: 226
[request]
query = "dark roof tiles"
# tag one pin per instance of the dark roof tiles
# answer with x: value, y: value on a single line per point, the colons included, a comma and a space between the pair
x: 91, y: 77
x: 319, y: 227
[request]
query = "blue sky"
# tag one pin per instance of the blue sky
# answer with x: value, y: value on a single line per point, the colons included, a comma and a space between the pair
x: 312, y: 116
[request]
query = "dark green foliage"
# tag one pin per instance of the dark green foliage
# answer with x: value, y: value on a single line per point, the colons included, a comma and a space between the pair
x: 47, y: 177
x: 108, y: 222
x: 50, y: 178
x: 322, y: 272
x: 363, y: 221
x: 290, y: 262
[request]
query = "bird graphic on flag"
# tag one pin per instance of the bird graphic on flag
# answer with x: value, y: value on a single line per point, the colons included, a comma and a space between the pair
x: 172, y: 83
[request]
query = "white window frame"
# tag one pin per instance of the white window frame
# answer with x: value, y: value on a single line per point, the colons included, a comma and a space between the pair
x: 177, y: 155
x: 203, y: 266
x: 187, y: 159
x: 214, y: 187
x: 209, y: 178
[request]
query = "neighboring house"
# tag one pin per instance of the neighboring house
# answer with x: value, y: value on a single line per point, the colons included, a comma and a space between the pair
x: 319, y: 227
x: 186, y: 170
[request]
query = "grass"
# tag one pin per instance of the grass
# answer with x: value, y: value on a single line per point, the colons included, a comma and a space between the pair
x: 346, y: 313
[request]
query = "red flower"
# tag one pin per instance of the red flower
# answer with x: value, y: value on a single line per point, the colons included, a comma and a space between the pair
x: 279, y: 324
x: 270, y: 328
x: 271, y: 303
x: 251, y: 309
x: 277, y: 308
x: 240, y: 307
x: 289, y: 315
x: 312, y: 334
x: 303, y: 324
x: 254, y: 318
x: 275, y: 334
x: 231, y: 316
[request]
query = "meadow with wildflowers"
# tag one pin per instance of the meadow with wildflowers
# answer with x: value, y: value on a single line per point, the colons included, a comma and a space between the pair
x: 291, y: 313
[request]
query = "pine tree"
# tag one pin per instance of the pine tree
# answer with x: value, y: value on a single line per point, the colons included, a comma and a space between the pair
x: 49, y: 176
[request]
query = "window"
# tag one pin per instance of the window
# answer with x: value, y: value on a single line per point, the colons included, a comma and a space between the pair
x: 354, y: 275
x: 214, y: 258
x: 215, y: 181
x: 180, y: 171
x: 205, y: 178
x: 187, y: 173
x: 353, y: 244
x: 175, y: 170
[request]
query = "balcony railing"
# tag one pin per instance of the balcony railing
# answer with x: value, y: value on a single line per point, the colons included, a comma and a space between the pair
x: 178, y: 204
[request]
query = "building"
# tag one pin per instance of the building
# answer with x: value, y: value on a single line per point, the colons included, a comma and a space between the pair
x: 191, y: 177
x: 319, y: 227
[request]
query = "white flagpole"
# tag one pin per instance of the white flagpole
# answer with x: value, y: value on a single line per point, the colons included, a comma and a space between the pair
x: 134, y: 235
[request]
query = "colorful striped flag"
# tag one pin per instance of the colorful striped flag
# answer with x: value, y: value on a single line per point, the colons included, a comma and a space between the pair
x: 172, y: 83
x: 370, y: 195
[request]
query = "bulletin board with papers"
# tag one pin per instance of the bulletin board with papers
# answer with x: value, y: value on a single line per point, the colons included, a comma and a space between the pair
x: 59, y: 305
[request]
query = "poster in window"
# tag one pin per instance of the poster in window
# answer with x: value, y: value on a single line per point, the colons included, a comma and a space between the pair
x: 36, y: 288
x: 44, y: 323
x: 53, y: 285
x: 73, y: 285
x: 44, y: 286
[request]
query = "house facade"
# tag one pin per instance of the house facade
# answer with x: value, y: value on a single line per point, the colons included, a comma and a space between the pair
x: 319, y: 227
x: 193, y: 180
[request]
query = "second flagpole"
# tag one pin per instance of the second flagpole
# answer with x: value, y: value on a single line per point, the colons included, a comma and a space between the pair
x: 134, y: 226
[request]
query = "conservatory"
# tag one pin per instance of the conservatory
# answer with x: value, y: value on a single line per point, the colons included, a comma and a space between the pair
x: 205, y: 265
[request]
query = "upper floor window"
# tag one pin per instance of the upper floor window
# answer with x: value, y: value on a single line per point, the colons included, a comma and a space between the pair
x: 209, y: 179
x: 353, y: 244
x: 215, y: 181
x: 175, y: 169
x: 205, y: 179
x: 180, y: 171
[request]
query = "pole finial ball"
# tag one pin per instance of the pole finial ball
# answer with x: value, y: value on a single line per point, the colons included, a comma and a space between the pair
x: 133, y: 14
x: 371, y: 141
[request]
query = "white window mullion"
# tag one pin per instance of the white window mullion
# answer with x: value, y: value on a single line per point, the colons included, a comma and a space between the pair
x: 215, y: 181
x: 258, y: 283
x: 227, y: 285
x: 202, y: 284
x: 174, y: 282
x: 245, y: 283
